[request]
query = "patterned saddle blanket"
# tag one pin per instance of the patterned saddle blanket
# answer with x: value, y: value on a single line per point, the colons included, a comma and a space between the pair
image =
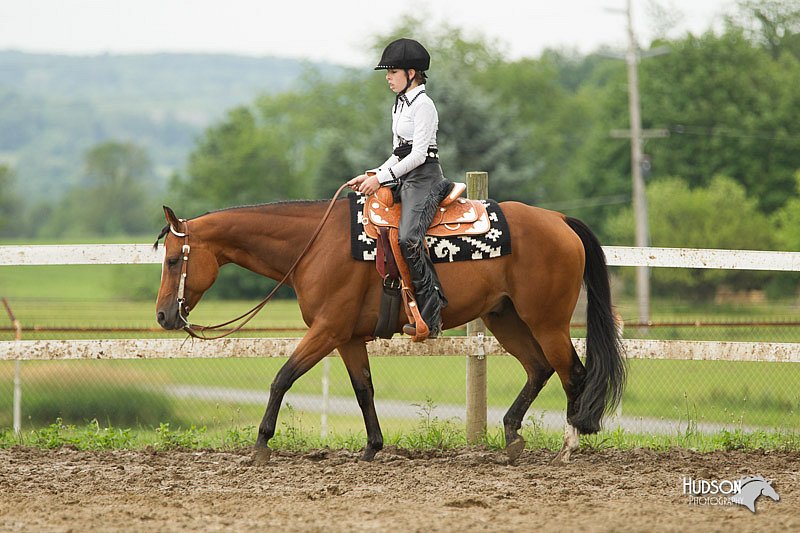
x: 490, y: 239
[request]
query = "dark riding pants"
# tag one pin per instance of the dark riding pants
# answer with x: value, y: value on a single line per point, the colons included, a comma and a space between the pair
x: 421, y: 190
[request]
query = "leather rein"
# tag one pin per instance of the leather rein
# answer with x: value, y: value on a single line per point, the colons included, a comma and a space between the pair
x: 198, y: 331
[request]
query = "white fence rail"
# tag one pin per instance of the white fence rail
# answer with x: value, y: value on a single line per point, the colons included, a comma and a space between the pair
x: 50, y: 350
x: 79, y: 254
x: 116, y: 254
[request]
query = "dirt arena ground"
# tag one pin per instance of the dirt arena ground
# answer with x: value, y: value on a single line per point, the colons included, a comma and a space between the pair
x: 465, y: 490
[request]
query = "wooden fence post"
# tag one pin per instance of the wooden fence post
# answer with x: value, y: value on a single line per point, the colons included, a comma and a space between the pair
x: 477, y: 189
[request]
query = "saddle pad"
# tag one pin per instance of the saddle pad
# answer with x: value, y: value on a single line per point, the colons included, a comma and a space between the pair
x: 494, y: 243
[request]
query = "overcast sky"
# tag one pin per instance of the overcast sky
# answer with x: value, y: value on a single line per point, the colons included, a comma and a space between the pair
x: 332, y: 30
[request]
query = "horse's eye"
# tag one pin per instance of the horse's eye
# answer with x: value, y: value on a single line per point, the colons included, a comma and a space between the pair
x: 172, y: 261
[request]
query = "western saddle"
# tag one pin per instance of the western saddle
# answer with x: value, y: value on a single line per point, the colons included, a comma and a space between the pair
x: 381, y: 218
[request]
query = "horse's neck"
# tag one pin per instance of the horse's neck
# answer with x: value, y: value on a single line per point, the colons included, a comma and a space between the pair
x: 264, y: 239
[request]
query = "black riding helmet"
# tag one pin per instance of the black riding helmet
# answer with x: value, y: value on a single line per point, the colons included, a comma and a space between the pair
x: 405, y: 54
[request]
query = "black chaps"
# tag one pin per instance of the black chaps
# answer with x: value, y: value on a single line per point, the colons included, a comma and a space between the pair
x: 421, y: 191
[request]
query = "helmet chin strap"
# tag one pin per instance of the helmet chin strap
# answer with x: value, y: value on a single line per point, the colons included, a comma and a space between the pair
x: 409, y: 81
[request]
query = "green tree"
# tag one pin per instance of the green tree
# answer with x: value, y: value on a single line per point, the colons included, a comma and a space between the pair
x: 545, y: 119
x: 774, y: 24
x: 732, y: 110
x: 719, y: 215
x: 598, y: 166
x: 113, y: 197
x: 787, y: 221
x: 9, y: 202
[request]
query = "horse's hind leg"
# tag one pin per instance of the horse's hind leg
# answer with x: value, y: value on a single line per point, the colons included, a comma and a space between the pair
x: 514, y: 335
x: 560, y: 353
x: 354, y: 355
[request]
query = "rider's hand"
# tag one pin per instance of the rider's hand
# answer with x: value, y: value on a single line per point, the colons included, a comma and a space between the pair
x: 355, y: 182
x: 369, y: 185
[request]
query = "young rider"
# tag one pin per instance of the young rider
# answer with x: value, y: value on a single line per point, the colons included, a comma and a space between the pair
x: 414, y: 168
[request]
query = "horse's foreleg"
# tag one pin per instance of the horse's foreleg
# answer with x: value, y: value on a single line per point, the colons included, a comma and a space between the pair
x: 354, y: 355
x: 308, y: 353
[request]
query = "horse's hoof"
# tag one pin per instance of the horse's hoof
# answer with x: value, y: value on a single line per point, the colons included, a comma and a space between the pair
x: 261, y: 456
x: 369, y: 454
x: 514, y: 449
x: 562, y: 458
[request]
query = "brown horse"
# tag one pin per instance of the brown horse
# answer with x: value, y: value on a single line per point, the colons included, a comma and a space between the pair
x: 526, y: 299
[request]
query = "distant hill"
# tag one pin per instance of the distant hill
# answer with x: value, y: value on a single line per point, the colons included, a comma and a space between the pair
x: 53, y: 107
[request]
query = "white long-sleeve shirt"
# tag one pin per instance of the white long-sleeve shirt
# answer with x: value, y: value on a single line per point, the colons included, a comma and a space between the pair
x: 414, y: 120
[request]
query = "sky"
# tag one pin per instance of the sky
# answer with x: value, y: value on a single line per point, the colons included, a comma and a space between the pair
x: 338, y: 31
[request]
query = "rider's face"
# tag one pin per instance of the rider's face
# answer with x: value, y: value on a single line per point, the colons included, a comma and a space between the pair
x: 396, y: 77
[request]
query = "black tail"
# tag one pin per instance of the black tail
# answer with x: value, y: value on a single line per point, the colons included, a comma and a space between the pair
x: 605, y: 366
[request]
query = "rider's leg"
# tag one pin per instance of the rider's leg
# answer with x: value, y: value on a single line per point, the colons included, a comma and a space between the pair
x: 420, y: 196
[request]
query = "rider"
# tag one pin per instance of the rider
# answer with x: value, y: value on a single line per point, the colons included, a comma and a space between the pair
x: 414, y: 168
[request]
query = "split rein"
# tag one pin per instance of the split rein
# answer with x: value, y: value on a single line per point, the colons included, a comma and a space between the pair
x: 197, y: 331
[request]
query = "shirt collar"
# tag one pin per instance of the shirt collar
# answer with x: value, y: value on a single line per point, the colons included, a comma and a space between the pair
x: 412, y: 93
x: 409, y: 96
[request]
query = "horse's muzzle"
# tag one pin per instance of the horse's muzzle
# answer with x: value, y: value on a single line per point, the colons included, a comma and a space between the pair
x: 169, y: 319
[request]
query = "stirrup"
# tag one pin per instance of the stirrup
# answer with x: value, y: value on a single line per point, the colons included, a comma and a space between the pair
x: 411, y: 330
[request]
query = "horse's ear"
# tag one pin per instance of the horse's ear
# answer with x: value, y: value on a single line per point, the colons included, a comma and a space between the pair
x: 172, y: 220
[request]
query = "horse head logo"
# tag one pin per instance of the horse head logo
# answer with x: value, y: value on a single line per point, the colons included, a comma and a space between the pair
x: 752, y: 488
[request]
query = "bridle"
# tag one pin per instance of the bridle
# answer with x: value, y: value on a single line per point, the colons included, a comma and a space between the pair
x: 197, y: 331
x: 184, y: 266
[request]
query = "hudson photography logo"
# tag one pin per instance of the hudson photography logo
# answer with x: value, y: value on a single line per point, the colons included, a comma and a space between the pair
x: 744, y: 491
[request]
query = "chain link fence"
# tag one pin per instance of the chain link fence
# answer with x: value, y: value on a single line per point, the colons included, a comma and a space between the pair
x: 663, y: 396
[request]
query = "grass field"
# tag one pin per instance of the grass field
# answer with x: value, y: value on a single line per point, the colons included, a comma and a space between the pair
x: 746, y: 394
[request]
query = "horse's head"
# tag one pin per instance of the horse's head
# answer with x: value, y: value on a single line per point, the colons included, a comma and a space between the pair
x: 189, y: 269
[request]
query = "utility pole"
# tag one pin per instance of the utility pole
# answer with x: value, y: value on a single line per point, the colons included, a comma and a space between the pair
x: 639, y: 197
x: 637, y: 136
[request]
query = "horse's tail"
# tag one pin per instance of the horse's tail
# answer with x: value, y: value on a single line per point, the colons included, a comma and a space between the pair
x: 605, y: 366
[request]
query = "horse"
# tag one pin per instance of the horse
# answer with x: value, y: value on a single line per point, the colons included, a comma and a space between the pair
x: 526, y: 299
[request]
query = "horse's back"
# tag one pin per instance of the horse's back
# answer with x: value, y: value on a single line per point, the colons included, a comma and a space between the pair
x: 542, y: 235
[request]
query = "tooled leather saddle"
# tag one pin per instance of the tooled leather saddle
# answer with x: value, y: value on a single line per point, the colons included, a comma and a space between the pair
x: 381, y: 218
x: 456, y: 215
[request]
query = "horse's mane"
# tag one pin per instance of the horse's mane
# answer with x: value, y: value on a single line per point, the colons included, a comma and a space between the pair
x: 165, y: 229
x: 265, y: 205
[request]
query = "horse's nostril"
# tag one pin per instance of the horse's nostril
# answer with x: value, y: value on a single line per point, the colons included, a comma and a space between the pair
x: 161, y: 316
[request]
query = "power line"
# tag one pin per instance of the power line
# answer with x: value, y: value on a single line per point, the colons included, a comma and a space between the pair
x: 705, y: 131
x: 598, y: 201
